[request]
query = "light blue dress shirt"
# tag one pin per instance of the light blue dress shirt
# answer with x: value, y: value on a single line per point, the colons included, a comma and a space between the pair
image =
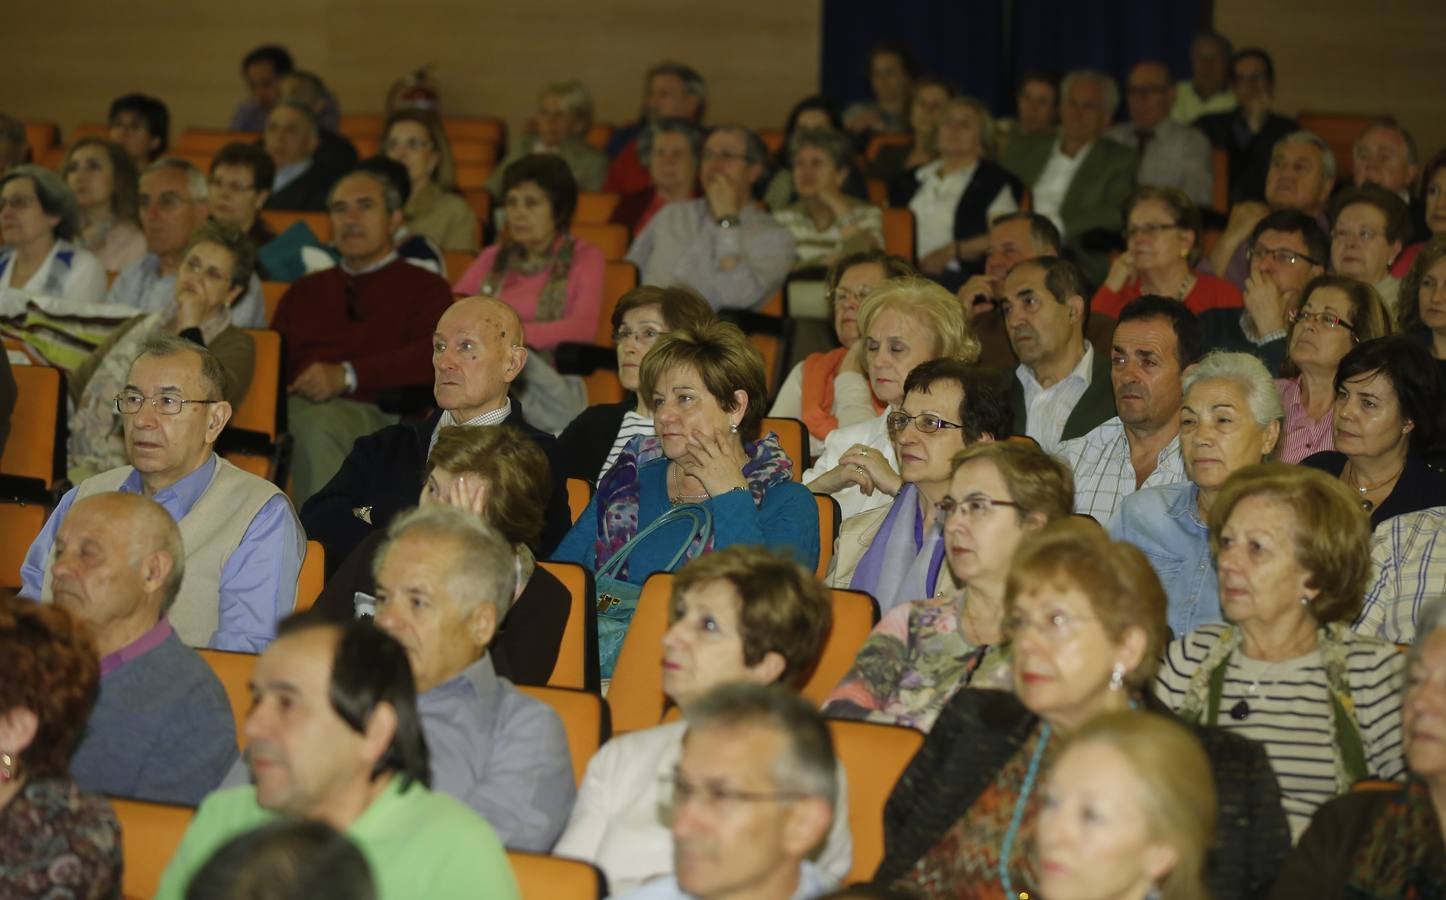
x: 258, y: 579
x: 141, y: 286
x: 1164, y: 522
x: 812, y: 882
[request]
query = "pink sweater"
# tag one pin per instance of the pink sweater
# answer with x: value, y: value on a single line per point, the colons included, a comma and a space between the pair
x: 580, y: 313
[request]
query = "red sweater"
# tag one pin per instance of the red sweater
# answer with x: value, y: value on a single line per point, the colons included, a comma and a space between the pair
x: 1209, y: 292
x: 389, y: 342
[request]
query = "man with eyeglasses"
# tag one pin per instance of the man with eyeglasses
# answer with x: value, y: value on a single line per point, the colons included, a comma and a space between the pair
x: 1368, y: 225
x: 1286, y: 249
x: 173, y: 203
x: 720, y: 245
x: 1170, y: 154
x: 243, y: 542
x: 749, y: 799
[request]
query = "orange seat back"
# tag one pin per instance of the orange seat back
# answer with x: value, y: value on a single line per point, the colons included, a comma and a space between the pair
x: 609, y: 237
x: 1340, y: 131
x: 793, y: 438
x: 478, y: 129
x: 547, y: 877
x: 473, y: 176
x: 210, y: 140
x: 873, y: 757
x: 271, y: 294
x: 20, y: 525
x: 882, y: 140
x: 150, y: 835
x: 636, y: 694
x: 36, y: 446
x: 577, y: 665
x: 258, y: 410
x: 829, y: 519
x: 854, y: 615
x: 312, y: 577
x: 457, y: 262
x: 619, y: 277
x: 355, y: 125
x: 899, y: 232
x: 595, y: 208
x: 234, y: 670
x: 602, y: 386
x: 598, y: 135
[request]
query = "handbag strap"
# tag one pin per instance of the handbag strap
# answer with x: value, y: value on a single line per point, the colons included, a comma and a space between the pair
x: 698, y: 515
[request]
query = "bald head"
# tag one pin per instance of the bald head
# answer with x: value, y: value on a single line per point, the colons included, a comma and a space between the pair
x: 477, y: 351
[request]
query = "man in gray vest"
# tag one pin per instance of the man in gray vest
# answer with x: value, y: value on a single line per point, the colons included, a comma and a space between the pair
x: 162, y: 729
x: 243, y: 542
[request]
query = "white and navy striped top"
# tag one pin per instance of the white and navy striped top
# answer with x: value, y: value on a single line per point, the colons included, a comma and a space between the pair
x: 633, y: 425
x: 1290, y: 711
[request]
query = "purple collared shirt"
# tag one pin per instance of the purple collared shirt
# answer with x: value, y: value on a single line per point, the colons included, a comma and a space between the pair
x: 136, y: 648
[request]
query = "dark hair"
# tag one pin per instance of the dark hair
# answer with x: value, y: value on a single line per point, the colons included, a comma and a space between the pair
x: 893, y: 266
x: 52, y: 669
x: 1398, y: 216
x: 52, y: 193
x: 1408, y: 304
x: 1042, y: 231
x: 1293, y: 221
x: 1389, y: 123
x: 1414, y: 375
x: 815, y: 101
x: 682, y: 307
x: 1429, y: 171
x: 394, y: 172
x: 894, y: 47
x: 234, y: 241
x: 1254, y: 53
x: 1063, y: 279
x: 1180, y: 207
x: 984, y: 404
x: 125, y: 180
x: 252, y: 156
x: 1219, y: 39
x: 693, y: 82
x: 370, y: 668
x: 157, y: 116
x: 290, y: 859
x: 1043, y: 77
x: 277, y: 55
x: 553, y: 176
x: 1189, y: 337
x: 669, y: 125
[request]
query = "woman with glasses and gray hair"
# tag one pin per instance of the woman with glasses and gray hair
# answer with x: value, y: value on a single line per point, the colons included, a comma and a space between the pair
x: 1332, y: 315
x: 1229, y: 418
x: 826, y: 223
x: 39, y: 226
x: 560, y: 127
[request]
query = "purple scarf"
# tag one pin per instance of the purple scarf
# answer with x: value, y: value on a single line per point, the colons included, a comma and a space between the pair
x: 902, y: 563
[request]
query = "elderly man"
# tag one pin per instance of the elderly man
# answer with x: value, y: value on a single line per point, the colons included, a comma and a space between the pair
x: 1385, y: 155
x: 1077, y: 180
x: 771, y: 747
x: 302, y: 181
x: 356, y: 334
x: 1155, y: 340
x: 173, y: 203
x: 671, y: 149
x: 720, y: 245
x: 1285, y: 251
x: 1171, y: 154
x: 1249, y: 131
x: 261, y: 69
x: 243, y: 541
x: 334, y: 152
x: 1061, y: 387
x: 1208, y: 88
x: 334, y: 735
x: 477, y: 351
x: 671, y: 91
x: 444, y: 583
x: 1368, y: 229
x: 141, y: 124
x: 162, y: 729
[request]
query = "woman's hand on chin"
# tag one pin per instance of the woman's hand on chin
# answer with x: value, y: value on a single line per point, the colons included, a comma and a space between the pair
x: 716, y: 459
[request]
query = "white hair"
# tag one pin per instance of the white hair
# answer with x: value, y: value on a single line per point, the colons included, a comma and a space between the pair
x: 1247, y: 373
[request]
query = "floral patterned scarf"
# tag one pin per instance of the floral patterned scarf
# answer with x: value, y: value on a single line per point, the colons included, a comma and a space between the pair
x: 1401, y: 856
x: 511, y: 258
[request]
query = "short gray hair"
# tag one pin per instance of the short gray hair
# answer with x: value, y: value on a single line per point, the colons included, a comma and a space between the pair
x: 575, y: 99
x: 301, y: 108
x: 213, y: 374
x: 195, y: 178
x: 671, y: 125
x: 1106, y: 82
x: 1327, y: 155
x: 837, y: 145
x: 55, y: 197
x: 1389, y: 123
x: 484, y: 565
x: 1247, y: 373
x: 391, y: 191
x: 808, y: 764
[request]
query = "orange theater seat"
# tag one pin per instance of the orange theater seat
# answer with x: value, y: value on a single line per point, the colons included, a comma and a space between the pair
x: 595, y: 208
x: 619, y: 277
x: 854, y: 616
x: 610, y: 238
x: 577, y: 662
x: 36, y: 447
x: 312, y: 577
x: 548, y: 877
x: 873, y: 757
x: 234, y: 670
x: 636, y: 693
x: 899, y: 232
x: 150, y: 834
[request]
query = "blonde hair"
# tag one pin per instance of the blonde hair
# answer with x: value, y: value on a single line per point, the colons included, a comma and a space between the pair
x: 933, y: 307
x: 446, y: 174
x: 723, y: 357
x: 1037, y: 482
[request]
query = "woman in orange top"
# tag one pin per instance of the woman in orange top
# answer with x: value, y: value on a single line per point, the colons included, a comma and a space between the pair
x: 1162, y: 246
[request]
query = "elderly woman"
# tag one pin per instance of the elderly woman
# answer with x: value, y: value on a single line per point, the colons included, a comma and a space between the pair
x: 1128, y: 813
x: 501, y: 476
x: 904, y: 321
x: 825, y: 223
x: 39, y: 221
x: 1285, y: 669
x: 1387, y: 843
x: 671, y: 148
x: 104, y: 180
x: 821, y: 390
x: 705, y: 387
x: 564, y: 115
x: 1162, y: 248
x: 215, y: 270
x: 1423, y: 301
x: 741, y: 614
x: 54, y: 840
x: 926, y: 104
x: 1387, y: 418
x: 1086, y: 620
x: 955, y: 197
x: 923, y: 652
x: 1229, y: 419
x: 414, y: 138
x: 895, y: 553
x: 591, y: 443
x: 1332, y: 315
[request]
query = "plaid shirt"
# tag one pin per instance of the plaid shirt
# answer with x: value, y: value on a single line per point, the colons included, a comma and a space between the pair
x: 1103, y: 473
x: 1408, y: 562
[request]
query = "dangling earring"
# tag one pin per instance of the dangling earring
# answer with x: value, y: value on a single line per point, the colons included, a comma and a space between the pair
x: 1117, y: 677
x: 8, y: 766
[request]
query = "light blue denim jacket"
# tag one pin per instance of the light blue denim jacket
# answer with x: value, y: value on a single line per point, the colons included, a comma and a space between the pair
x: 1164, y: 522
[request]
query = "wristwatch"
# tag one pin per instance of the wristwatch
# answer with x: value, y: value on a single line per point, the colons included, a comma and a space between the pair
x: 728, y: 222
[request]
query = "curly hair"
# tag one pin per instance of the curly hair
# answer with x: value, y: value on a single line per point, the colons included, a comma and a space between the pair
x: 52, y: 669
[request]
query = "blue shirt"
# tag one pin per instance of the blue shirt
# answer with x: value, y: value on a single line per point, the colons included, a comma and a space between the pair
x: 258, y: 580
x: 812, y: 882
x: 1164, y: 522
x: 141, y: 286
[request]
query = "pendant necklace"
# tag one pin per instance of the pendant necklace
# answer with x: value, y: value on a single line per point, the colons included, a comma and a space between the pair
x: 677, y: 495
x: 1364, y: 489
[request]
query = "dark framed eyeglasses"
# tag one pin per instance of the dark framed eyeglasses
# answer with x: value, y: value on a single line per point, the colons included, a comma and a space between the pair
x: 1323, y: 319
x: 927, y: 423
x: 974, y: 508
x: 1282, y: 255
x: 166, y: 404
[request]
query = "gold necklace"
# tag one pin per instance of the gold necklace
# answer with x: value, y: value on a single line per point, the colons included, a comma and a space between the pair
x: 1363, y: 489
x: 676, y: 494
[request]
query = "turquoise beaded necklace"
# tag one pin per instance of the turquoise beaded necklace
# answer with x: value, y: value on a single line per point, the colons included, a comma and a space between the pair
x: 1030, y: 776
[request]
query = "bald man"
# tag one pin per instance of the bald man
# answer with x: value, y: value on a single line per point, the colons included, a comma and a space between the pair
x: 162, y: 729
x: 477, y: 352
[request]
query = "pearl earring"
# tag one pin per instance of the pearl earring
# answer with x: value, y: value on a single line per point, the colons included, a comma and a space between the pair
x: 1117, y: 677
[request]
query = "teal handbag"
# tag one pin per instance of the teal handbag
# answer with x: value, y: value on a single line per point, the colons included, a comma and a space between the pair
x: 617, y: 599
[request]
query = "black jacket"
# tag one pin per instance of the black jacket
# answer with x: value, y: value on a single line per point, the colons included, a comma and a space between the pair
x: 583, y: 446
x: 980, y: 730
x: 971, y: 216
x: 1095, y: 406
x: 1249, y: 159
x: 308, y: 192
x: 385, y: 472
x: 1419, y: 487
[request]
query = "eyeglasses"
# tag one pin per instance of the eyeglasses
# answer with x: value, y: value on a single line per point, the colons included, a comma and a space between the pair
x: 394, y: 144
x: 1054, y: 627
x: 1152, y: 229
x: 974, y: 508
x: 233, y: 187
x: 843, y: 294
x: 646, y: 335
x: 168, y: 202
x: 19, y: 203
x: 1282, y: 255
x: 1361, y: 234
x: 130, y: 403
x: 194, y: 266
x: 927, y: 423
x: 674, y: 792
x: 1323, y: 319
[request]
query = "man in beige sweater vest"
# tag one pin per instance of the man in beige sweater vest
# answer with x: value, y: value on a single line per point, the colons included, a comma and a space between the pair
x: 243, y: 542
